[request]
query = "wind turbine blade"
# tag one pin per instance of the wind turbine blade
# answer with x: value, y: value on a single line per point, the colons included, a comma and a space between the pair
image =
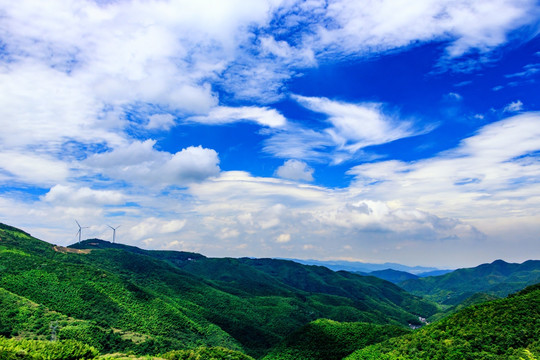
x: 79, y: 225
x: 110, y: 227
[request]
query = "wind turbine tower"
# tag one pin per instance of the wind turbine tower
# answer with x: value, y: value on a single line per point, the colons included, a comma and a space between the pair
x: 80, y: 230
x: 114, y: 232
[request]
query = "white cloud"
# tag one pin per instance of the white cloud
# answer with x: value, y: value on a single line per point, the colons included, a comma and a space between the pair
x: 299, y: 143
x: 514, y: 106
x: 100, y: 59
x: 295, y: 170
x: 32, y: 114
x: 160, y: 121
x: 529, y: 70
x: 352, y: 127
x: 454, y: 96
x: 140, y: 163
x: 224, y: 115
x: 31, y: 168
x: 74, y: 196
x: 367, y: 27
x: 486, y: 176
x: 155, y: 227
x: 283, y: 238
x: 357, y: 125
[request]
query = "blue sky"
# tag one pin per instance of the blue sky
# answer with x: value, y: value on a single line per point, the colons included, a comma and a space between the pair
x: 364, y: 131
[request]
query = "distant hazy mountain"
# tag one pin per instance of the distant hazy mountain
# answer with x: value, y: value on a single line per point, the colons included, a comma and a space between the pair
x: 393, y: 276
x: 498, y: 278
x: 434, y: 273
x: 366, y: 267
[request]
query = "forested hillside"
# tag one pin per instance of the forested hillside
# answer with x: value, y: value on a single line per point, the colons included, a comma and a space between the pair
x: 502, y: 329
x: 331, y: 340
x: 124, y: 299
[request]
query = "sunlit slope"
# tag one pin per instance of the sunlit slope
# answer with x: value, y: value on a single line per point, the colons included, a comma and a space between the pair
x: 68, y: 284
x: 502, y: 329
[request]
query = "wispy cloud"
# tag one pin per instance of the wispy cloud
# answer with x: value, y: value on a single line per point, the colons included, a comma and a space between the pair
x: 223, y: 115
x: 467, y: 28
x: 514, y: 106
x: 351, y: 127
x: 497, y: 164
x: 528, y: 71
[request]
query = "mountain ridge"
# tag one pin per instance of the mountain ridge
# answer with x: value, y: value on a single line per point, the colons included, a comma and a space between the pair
x: 498, y: 278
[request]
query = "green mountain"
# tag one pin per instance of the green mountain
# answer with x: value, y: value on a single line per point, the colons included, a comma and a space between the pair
x: 394, y: 276
x: 118, y: 298
x: 330, y: 340
x: 475, y: 299
x: 498, y: 279
x: 506, y: 329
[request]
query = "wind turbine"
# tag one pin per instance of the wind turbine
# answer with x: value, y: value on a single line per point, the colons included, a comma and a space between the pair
x: 114, y: 232
x: 80, y: 230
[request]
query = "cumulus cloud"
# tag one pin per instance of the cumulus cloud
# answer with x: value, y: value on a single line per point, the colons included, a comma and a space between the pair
x: 302, y: 206
x: 283, y: 238
x: 223, y: 115
x: 140, y: 163
x: 295, y: 170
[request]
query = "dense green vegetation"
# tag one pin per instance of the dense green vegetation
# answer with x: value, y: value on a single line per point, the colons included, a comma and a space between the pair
x: 128, y: 300
x: 204, y: 353
x: 498, y: 279
x: 11, y: 349
x: 330, y: 340
x: 502, y: 329
x: 477, y: 298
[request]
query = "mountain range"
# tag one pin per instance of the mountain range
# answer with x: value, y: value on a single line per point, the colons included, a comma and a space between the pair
x: 96, y: 298
x: 366, y: 268
x: 120, y: 298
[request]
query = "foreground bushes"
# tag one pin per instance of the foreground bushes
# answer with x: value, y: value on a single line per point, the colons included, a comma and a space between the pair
x: 12, y: 349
